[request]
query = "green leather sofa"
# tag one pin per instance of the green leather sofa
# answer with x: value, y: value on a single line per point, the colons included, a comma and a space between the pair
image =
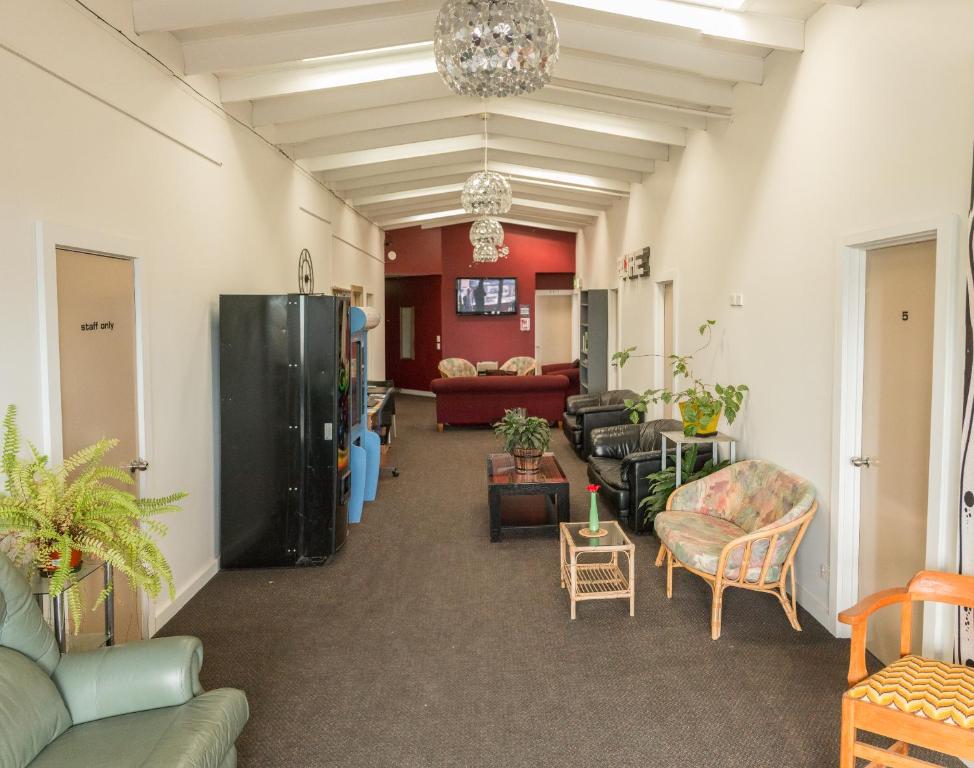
x: 135, y: 705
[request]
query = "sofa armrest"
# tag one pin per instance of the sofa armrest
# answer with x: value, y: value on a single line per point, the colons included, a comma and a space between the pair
x: 591, y: 419
x: 574, y: 402
x: 640, y: 464
x: 152, y: 674
x: 614, y: 442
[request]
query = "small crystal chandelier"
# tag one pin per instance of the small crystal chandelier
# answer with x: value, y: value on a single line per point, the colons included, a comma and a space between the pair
x: 486, y: 193
x: 487, y: 237
x: 495, y: 47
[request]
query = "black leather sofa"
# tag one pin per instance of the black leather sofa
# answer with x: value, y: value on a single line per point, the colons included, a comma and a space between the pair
x: 583, y: 413
x: 621, y: 459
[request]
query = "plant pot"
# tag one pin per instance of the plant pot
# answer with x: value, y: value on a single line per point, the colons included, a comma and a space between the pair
x: 527, y: 461
x: 76, y: 561
x: 703, y: 428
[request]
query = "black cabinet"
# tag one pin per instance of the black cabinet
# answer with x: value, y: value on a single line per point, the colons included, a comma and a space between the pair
x: 284, y: 429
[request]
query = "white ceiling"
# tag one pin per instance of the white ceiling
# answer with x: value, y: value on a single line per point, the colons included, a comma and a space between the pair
x: 349, y: 89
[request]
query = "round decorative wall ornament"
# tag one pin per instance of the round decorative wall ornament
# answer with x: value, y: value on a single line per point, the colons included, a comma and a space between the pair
x: 306, y: 272
x: 491, y: 48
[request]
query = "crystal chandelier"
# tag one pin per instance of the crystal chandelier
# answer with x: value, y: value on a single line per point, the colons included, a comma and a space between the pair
x: 495, y: 47
x: 487, y: 237
x: 486, y: 193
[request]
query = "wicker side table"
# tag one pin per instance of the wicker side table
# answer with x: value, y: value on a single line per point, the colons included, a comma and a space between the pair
x: 591, y: 568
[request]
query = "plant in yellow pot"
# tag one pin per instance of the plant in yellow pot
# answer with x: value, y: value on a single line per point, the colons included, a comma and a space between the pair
x: 700, y: 404
x: 54, y: 516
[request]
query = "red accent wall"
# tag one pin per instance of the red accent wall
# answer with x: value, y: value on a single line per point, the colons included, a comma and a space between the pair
x: 421, y: 293
x: 446, y: 252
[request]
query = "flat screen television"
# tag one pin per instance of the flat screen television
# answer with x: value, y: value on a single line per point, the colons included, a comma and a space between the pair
x: 486, y: 295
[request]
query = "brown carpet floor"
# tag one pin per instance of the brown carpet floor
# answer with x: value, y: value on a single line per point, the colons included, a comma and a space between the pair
x: 423, y: 645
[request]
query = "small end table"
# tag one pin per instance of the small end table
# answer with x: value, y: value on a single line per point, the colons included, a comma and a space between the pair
x: 66, y: 640
x: 600, y: 579
x: 679, y: 440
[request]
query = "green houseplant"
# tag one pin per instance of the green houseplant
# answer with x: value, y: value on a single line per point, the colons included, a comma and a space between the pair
x: 700, y: 404
x: 51, y: 513
x: 663, y: 482
x: 525, y: 437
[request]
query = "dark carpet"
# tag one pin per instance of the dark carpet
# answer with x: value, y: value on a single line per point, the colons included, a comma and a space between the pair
x: 422, y: 644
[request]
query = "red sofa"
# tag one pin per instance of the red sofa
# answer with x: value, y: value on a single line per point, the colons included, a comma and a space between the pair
x: 466, y: 400
x: 570, y: 371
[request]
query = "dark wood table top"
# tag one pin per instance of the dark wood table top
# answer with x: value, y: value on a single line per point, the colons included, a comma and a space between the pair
x: 500, y: 471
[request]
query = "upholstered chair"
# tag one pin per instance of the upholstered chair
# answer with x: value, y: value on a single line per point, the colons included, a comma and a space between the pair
x: 584, y: 413
x: 522, y: 366
x: 739, y: 527
x: 454, y: 367
x: 135, y: 704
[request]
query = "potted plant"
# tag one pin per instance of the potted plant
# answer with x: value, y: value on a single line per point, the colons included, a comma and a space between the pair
x: 663, y: 482
x: 700, y: 404
x: 57, y: 515
x: 525, y: 437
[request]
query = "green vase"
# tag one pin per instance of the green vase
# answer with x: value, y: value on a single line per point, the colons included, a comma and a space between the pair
x: 593, y: 515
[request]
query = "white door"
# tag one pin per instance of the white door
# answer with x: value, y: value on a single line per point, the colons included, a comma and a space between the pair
x: 99, y: 394
x: 552, y: 328
x: 897, y: 380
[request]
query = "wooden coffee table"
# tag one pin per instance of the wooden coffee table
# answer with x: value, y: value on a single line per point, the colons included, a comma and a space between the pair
x: 503, y: 480
x: 590, y: 568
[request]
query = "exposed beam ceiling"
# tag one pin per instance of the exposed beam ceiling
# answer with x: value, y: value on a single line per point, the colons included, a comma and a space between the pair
x: 349, y: 89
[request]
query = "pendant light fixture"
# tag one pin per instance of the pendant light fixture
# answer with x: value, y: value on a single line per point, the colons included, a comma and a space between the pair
x: 495, y: 47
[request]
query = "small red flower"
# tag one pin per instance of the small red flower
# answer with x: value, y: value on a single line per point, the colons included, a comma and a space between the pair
x: 593, y: 488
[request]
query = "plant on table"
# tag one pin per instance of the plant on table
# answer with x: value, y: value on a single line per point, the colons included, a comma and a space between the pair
x: 55, y: 515
x: 700, y: 404
x: 662, y: 483
x: 525, y: 437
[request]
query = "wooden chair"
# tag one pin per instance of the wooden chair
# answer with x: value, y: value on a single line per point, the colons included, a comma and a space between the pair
x: 914, y: 700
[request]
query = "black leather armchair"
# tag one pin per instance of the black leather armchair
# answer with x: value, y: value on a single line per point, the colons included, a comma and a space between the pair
x: 587, y: 412
x: 621, y: 459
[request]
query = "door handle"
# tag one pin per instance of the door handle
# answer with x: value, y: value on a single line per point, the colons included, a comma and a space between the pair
x: 139, y: 465
x: 862, y: 461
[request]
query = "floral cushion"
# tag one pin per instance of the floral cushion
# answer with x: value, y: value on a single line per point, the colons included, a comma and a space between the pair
x: 453, y: 367
x: 696, y: 539
x: 751, y: 494
x: 523, y: 366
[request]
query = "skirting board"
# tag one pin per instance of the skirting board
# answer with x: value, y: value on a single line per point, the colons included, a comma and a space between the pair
x: 816, y: 607
x: 165, y: 613
x: 415, y: 392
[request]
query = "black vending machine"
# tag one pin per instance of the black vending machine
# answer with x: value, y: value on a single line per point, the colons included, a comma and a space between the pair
x: 284, y: 429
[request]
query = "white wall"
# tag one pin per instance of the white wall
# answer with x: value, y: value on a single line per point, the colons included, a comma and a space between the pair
x: 871, y: 126
x: 210, y: 207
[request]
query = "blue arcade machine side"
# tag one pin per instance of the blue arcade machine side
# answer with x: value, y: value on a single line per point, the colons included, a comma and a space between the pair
x: 365, y: 444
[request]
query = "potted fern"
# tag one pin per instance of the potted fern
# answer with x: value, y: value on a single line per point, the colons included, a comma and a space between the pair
x: 700, y: 404
x: 525, y: 437
x: 57, y: 515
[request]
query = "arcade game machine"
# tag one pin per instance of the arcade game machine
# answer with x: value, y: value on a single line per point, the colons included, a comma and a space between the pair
x: 365, y: 452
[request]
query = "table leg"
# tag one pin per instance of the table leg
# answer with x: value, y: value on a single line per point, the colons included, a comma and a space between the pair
x: 733, y: 451
x: 574, y: 581
x: 109, y: 582
x: 561, y: 557
x: 662, y: 453
x: 564, y: 506
x: 632, y: 581
x: 679, y: 464
x: 494, y: 502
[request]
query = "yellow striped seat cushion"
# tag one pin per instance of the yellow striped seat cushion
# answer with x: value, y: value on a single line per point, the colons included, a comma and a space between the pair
x: 918, y: 686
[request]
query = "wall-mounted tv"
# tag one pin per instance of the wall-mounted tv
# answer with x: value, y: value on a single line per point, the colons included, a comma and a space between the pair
x: 487, y: 296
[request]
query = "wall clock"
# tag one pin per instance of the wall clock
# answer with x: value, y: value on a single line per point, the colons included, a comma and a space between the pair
x: 306, y: 272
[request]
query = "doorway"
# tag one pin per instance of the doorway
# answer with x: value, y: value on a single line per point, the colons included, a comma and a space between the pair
x: 552, y: 327
x: 413, y: 327
x: 896, y: 402
x: 898, y: 286
x: 98, y: 376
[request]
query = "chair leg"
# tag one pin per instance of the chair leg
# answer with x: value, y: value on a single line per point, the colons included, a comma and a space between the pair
x: 715, y: 615
x: 847, y: 734
x: 789, y: 604
x: 669, y: 574
x: 439, y: 427
x: 661, y: 555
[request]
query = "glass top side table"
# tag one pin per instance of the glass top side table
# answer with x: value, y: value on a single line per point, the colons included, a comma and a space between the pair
x: 56, y: 608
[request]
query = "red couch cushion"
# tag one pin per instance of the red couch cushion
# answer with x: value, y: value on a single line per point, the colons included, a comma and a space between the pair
x: 483, y: 399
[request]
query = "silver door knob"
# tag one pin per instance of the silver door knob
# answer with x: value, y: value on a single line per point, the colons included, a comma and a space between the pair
x: 862, y: 461
x: 139, y: 465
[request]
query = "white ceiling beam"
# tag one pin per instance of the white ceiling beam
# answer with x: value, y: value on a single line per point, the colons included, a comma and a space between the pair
x: 385, y: 66
x: 361, y: 201
x: 448, y: 208
x: 171, y: 15
x: 849, y: 3
x: 635, y: 108
x: 525, y: 219
x: 762, y: 30
x: 429, y: 110
x: 445, y: 200
x: 501, y: 128
x: 530, y: 148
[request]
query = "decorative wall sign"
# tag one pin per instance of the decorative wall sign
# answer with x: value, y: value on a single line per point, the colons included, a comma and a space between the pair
x: 965, y: 625
x: 633, y: 265
x: 525, y: 323
x: 525, y: 310
x: 306, y: 272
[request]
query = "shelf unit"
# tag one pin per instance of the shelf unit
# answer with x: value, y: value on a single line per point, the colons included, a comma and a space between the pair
x: 593, y: 365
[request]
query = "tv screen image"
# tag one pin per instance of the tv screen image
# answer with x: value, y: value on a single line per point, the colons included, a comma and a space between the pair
x: 487, y: 296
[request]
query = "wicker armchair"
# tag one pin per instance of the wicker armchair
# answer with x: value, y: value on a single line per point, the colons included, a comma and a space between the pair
x: 453, y: 367
x: 739, y: 527
x: 522, y: 366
